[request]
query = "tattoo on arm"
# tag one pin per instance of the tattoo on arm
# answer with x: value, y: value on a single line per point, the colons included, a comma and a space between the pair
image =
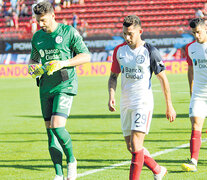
x: 112, y: 81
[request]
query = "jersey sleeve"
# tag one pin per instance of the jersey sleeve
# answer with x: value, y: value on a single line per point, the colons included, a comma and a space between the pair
x: 115, y: 67
x: 35, y: 56
x: 188, y: 59
x: 76, y: 42
x: 156, y: 61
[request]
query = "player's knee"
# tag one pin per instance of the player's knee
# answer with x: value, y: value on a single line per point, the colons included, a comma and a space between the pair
x: 197, y: 127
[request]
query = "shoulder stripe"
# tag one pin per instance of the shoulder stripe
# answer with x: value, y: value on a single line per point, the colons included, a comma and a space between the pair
x: 188, y: 59
x: 115, y: 67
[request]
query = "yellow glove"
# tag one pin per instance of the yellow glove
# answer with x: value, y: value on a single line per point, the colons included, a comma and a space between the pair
x: 55, y: 65
x: 36, y: 70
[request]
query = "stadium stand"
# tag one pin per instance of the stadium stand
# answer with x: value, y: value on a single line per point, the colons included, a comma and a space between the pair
x: 105, y: 17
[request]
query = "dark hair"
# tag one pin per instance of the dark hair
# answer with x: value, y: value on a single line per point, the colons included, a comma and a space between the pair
x: 43, y: 7
x: 132, y: 20
x: 196, y: 22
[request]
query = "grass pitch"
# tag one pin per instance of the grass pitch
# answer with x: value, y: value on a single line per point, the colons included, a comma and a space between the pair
x: 96, y: 133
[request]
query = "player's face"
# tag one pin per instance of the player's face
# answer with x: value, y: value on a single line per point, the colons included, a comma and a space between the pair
x: 45, y: 21
x: 200, y: 33
x: 132, y: 35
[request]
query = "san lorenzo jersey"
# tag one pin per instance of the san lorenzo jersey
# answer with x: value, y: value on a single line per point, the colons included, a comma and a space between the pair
x: 62, y: 44
x: 197, y: 56
x: 136, y: 68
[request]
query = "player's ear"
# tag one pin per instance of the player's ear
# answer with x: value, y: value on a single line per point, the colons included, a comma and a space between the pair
x: 53, y: 15
x: 141, y: 31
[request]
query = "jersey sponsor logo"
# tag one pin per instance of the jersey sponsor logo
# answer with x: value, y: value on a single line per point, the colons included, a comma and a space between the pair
x: 193, y: 52
x: 200, y: 63
x: 42, y: 54
x: 140, y: 59
x: 132, y: 73
x: 122, y: 69
x: 59, y: 39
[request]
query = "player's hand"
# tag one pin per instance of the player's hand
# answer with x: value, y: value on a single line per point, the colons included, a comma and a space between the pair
x: 36, y: 70
x: 170, y: 113
x: 55, y: 65
x: 111, y: 105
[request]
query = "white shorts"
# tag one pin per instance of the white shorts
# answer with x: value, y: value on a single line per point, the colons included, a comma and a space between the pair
x: 198, y: 108
x: 138, y: 119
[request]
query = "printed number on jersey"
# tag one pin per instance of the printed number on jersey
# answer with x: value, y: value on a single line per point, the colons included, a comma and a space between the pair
x: 65, y: 102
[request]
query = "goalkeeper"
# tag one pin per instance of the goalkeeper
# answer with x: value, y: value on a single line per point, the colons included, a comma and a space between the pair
x: 59, y: 48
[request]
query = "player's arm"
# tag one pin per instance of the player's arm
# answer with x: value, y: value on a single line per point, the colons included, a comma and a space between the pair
x: 56, y: 65
x: 112, y: 83
x: 77, y: 46
x: 75, y: 61
x: 190, y: 68
x: 190, y: 78
x: 170, y: 112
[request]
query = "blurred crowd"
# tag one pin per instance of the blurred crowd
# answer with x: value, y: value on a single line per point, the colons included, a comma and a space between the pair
x: 13, y: 10
x: 11, y: 13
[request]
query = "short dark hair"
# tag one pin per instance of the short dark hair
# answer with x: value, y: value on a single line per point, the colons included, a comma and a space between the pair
x: 196, y: 22
x: 132, y: 20
x: 43, y: 8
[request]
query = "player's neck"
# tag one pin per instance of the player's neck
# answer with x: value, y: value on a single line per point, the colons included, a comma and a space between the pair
x: 140, y: 43
x: 54, y: 26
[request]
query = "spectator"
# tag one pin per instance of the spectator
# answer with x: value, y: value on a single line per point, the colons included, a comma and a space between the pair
x: 1, y: 5
x: 205, y: 10
x: 66, y: 3
x: 8, y: 21
x: 75, y: 1
x: 5, y: 11
x: 75, y: 20
x: 64, y: 21
x: 83, y: 28
x: 15, y: 20
x: 24, y: 10
x: 57, y: 5
x: 81, y: 1
x: 13, y: 4
x: 198, y: 13
x: 33, y: 23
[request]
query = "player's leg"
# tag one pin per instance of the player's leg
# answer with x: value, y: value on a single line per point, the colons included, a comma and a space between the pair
x: 149, y: 162
x: 54, y: 147
x: 137, y: 157
x: 137, y: 140
x: 61, y: 108
x: 197, y: 115
x: 158, y: 171
x: 195, y: 144
x: 56, y: 154
x: 141, y: 120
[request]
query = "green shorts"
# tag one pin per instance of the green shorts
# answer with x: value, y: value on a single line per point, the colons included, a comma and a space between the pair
x: 59, y: 104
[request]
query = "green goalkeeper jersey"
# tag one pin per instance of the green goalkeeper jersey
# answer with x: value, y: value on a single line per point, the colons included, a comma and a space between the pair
x: 62, y: 44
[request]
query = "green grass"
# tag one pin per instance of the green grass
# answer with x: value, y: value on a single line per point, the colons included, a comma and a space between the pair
x: 96, y: 133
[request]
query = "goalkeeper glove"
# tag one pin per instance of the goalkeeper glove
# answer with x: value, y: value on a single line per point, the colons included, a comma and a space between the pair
x: 55, y: 65
x: 36, y: 70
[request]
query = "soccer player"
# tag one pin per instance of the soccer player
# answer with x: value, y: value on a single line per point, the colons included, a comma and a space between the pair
x: 59, y: 48
x: 197, y: 78
x: 136, y: 60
